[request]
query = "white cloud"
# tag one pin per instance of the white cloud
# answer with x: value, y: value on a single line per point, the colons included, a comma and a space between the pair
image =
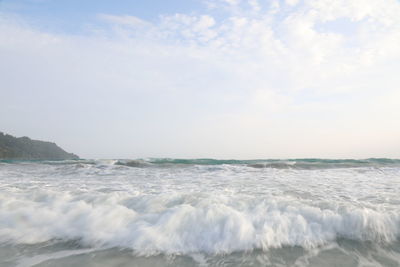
x: 263, y: 80
x: 124, y: 20
x: 292, y: 2
x: 255, y: 5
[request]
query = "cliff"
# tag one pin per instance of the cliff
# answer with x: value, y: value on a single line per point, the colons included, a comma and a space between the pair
x: 24, y: 148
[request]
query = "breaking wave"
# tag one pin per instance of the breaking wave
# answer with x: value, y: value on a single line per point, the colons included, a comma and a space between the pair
x: 185, y: 223
x: 161, y: 206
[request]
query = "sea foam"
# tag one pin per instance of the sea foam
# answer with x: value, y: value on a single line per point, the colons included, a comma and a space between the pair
x: 196, y: 209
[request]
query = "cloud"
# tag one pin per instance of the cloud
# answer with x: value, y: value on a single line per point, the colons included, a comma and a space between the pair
x: 292, y: 2
x: 124, y: 20
x: 257, y: 80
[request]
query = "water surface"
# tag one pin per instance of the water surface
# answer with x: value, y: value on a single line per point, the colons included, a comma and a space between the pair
x: 174, y: 212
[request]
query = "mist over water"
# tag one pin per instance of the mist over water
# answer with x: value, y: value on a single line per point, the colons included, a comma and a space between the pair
x: 205, y: 212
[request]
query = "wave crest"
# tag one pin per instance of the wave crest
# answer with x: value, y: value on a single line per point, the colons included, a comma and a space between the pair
x: 186, y: 223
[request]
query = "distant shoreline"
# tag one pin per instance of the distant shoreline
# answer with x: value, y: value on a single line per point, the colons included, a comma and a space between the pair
x: 24, y: 148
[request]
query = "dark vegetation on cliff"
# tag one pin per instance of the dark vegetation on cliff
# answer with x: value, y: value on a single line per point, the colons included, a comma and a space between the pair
x: 24, y: 148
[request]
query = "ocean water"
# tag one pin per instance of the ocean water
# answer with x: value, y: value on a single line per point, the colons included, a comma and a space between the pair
x: 174, y: 212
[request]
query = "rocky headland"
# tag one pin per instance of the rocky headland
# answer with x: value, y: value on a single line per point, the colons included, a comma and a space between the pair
x: 24, y: 148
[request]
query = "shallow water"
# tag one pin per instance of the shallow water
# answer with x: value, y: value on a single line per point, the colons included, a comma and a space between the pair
x: 200, y: 213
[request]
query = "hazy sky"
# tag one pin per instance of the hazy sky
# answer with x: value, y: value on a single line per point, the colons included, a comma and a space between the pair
x: 203, y: 78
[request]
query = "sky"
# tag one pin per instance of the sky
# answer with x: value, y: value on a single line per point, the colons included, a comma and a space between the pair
x: 241, y: 79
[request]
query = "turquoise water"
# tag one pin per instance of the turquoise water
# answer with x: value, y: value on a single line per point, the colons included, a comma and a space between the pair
x: 270, y: 163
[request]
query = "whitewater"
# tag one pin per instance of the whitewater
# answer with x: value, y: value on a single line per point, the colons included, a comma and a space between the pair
x: 204, y: 212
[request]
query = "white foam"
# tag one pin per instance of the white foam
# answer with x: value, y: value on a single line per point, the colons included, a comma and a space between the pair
x: 165, y: 211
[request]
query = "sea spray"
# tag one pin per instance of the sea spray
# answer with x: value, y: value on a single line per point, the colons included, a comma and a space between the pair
x: 177, y: 208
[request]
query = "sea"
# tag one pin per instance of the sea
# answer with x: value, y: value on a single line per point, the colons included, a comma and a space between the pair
x: 200, y: 212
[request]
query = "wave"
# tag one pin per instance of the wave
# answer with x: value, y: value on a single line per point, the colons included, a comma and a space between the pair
x: 186, y: 223
x: 267, y: 163
x: 133, y: 163
x: 258, y: 163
